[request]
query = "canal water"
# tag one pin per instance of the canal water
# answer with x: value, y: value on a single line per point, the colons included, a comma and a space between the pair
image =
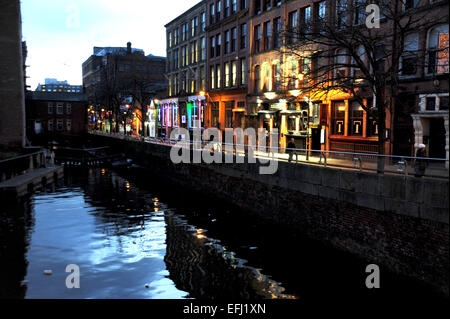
x: 134, y: 236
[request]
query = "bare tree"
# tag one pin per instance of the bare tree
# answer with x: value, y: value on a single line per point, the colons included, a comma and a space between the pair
x: 361, y: 48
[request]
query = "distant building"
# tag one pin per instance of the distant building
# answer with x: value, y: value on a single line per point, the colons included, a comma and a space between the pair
x: 118, y: 64
x: 53, y: 85
x: 55, y: 113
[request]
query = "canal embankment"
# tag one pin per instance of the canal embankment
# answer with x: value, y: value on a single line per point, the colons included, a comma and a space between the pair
x: 399, y: 222
x: 21, y: 174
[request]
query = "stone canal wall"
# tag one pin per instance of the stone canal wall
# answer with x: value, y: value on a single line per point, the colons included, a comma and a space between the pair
x: 393, y: 221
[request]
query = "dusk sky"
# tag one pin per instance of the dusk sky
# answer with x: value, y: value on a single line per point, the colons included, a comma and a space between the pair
x: 61, y: 34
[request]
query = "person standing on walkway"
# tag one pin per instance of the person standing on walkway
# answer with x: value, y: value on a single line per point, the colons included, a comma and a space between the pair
x: 420, y: 162
x: 291, y: 147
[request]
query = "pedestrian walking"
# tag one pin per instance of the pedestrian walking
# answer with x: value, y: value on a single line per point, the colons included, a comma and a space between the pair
x: 291, y: 146
x: 420, y: 162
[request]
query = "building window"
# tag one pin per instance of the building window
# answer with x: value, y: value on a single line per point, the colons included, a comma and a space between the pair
x: 50, y: 108
x: 443, y: 103
x: 341, y: 62
x: 203, y: 21
x: 267, y: 34
x: 212, y: 14
x: 243, y: 43
x: 371, y: 122
x: 341, y: 13
x: 193, y: 85
x: 50, y: 125
x: 356, y: 119
x: 243, y: 71
x: 69, y: 108
x: 233, y: 6
x: 183, y: 56
x: 233, y: 39
x: 194, y: 25
x: 226, y: 48
x: 169, y: 37
x: 229, y: 105
x: 292, y: 27
x: 438, y: 50
x: 202, y: 78
x: 215, y: 114
x: 276, y: 76
x: 69, y: 125
x: 203, y: 44
x: 184, y: 31
x: 338, y: 117
x: 213, y: 46
x: 409, y: 57
x: 226, y: 11
x: 430, y: 103
x: 212, y: 78
x: 128, y: 68
x: 410, y: 4
x: 176, y: 64
x: 233, y: 73
x: 257, y: 77
x: 218, y: 44
x: 277, y: 33
x: 121, y: 68
x: 59, y: 108
x: 193, y: 52
x: 257, y: 36
x: 243, y: 4
x: 257, y: 7
x: 218, y: 76
x: 59, y: 124
x: 227, y: 74
x: 359, y: 14
x: 357, y: 74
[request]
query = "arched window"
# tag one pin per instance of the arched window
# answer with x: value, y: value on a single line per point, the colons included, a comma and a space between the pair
x: 437, y: 50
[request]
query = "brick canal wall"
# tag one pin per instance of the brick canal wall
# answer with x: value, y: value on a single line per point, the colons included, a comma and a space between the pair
x: 394, y: 221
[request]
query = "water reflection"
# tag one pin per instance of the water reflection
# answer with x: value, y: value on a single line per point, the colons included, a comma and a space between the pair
x: 127, y: 243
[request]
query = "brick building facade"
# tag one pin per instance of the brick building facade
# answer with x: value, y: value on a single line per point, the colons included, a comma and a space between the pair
x: 52, y: 114
x: 249, y: 82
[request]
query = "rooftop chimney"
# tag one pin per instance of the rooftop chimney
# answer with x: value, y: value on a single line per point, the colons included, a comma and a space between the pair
x: 129, y: 47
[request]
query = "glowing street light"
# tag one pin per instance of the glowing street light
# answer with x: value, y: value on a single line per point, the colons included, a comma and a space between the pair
x: 270, y: 95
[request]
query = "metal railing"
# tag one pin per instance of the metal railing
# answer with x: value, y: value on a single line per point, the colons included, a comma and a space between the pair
x: 363, y: 162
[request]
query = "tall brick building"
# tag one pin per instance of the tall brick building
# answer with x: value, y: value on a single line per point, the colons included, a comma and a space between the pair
x: 186, y: 72
x: 12, y: 78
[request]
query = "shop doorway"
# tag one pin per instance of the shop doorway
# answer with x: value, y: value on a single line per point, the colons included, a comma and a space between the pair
x: 315, y: 139
x: 437, y: 138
